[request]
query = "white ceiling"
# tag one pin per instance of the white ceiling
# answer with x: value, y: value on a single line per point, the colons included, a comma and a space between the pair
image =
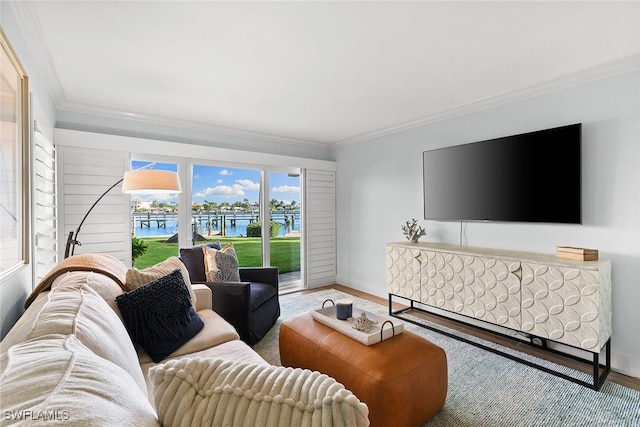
x: 320, y: 72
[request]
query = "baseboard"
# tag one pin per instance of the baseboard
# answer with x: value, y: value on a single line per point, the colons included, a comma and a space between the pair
x: 625, y: 364
x: 359, y: 285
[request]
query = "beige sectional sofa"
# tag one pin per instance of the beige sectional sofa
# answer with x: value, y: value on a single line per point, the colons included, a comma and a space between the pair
x: 70, y: 359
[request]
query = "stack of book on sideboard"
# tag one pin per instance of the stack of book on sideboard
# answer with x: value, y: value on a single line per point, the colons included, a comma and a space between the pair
x: 581, y: 254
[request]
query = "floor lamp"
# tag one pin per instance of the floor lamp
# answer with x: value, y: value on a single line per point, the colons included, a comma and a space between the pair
x: 136, y: 181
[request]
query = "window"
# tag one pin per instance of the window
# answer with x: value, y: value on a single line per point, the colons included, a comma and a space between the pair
x: 154, y: 222
x: 14, y: 156
x: 226, y: 208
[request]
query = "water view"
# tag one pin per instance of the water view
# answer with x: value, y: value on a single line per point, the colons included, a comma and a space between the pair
x: 156, y: 225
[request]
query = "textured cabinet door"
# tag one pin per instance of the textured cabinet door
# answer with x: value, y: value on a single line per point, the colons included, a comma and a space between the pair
x: 568, y: 305
x: 483, y: 288
x: 442, y: 281
x: 403, y: 272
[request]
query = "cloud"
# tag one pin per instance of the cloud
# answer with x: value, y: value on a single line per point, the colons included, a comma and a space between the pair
x: 285, y: 189
x: 226, y: 191
x: 225, y: 172
x: 220, y: 181
x: 236, y: 190
x: 247, y: 184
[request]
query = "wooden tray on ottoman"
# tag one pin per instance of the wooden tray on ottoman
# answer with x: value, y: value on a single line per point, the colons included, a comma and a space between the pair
x: 389, y: 326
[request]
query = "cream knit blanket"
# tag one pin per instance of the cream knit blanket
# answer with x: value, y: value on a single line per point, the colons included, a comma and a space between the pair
x: 215, y: 392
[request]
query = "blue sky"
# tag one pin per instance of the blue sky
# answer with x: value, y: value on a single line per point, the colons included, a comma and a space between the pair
x: 225, y: 184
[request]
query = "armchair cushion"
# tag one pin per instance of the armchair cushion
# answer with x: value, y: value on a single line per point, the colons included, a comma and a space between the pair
x: 193, y: 259
x: 260, y: 293
x: 159, y: 315
x: 221, y: 265
x: 251, y: 307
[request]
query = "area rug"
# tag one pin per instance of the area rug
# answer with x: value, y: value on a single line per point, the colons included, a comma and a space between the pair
x: 486, y: 389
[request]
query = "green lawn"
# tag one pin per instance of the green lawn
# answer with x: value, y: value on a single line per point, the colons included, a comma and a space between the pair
x: 285, y: 252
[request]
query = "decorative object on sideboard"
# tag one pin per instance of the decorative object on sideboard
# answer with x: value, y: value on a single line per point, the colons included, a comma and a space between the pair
x: 136, y: 181
x: 580, y: 254
x: 412, y: 231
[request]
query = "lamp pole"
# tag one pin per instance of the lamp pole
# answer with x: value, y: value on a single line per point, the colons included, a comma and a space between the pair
x: 141, y: 179
x: 72, y: 240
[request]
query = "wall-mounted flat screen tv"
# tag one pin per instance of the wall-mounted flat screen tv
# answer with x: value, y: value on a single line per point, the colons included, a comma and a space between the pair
x: 531, y: 177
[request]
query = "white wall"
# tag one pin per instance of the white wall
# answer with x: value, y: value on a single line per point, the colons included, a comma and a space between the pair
x: 379, y: 187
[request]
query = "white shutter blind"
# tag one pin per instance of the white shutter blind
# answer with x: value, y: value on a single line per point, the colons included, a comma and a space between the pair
x: 320, y: 227
x: 86, y: 174
x: 45, y: 206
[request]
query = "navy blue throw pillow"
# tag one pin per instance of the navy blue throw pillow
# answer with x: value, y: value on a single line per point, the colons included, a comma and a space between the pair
x: 193, y: 259
x: 159, y: 315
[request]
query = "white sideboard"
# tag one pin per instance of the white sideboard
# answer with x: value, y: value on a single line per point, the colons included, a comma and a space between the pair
x: 544, y: 296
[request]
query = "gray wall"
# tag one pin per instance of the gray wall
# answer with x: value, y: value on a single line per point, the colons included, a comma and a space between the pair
x: 379, y: 187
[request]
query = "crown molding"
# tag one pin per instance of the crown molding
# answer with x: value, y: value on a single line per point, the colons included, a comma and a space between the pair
x: 185, y: 124
x: 29, y: 25
x: 608, y: 69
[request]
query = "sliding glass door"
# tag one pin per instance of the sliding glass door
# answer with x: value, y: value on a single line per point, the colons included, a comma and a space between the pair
x: 285, y: 215
x: 255, y: 210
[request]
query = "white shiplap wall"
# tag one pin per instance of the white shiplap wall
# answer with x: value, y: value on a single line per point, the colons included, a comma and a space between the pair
x: 45, y: 206
x: 85, y: 175
x: 320, y: 227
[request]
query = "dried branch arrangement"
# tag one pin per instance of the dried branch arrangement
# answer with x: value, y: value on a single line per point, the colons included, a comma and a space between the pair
x: 412, y: 231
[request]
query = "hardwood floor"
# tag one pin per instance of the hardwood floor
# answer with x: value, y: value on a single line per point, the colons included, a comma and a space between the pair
x: 615, y: 377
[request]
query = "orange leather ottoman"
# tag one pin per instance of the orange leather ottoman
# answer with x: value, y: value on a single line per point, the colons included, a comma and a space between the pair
x: 402, y: 379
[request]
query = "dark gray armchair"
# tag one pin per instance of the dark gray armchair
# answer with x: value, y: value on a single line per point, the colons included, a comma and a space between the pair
x: 252, y: 305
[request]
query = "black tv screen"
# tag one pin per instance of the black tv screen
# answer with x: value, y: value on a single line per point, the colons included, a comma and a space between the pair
x: 531, y: 177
